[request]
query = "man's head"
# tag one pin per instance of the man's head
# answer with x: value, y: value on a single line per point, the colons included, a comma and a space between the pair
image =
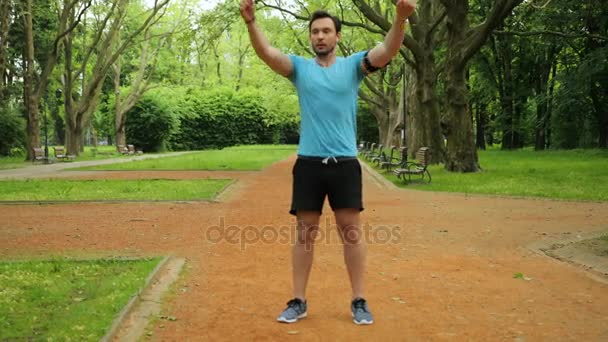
x: 324, y: 32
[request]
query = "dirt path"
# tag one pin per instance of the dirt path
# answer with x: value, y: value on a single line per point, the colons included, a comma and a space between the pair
x: 446, y: 273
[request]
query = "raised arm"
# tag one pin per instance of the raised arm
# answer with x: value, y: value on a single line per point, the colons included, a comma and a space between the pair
x: 273, y: 57
x: 383, y: 53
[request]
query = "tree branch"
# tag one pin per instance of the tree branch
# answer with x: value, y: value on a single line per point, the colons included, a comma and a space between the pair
x: 438, y: 21
x: 551, y: 33
x: 385, y: 25
x: 480, y: 33
x: 368, y: 99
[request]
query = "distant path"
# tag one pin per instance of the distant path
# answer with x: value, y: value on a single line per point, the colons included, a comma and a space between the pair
x: 52, y: 170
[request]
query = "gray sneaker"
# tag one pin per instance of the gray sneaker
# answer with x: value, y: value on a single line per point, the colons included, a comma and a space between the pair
x: 295, y: 310
x: 361, y: 314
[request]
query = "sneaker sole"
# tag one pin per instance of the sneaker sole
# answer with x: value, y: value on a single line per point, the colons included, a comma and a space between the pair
x: 362, y: 322
x: 285, y: 320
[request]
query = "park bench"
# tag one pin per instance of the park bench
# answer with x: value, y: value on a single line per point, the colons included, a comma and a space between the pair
x: 61, y: 155
x: 392, y: 161
x: 370, y: 151
x: 361, y: 147
x: 132, y: 150
x: 366, y: 147
x: 122, y: 149
x: 378, y: 156
x: 420, y: 167
x: 39, y: 155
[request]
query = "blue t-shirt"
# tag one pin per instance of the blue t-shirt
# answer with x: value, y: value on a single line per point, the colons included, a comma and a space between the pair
x: 328, y: 105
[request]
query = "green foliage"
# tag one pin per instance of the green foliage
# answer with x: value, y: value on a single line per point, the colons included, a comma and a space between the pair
x: 367, y: 127
x: 12, y: 132
x: 65, y: 300
x: 222, y: 118
x: 150, y: 123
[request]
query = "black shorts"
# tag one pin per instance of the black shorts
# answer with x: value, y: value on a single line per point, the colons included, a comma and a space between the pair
x: 337, y: 178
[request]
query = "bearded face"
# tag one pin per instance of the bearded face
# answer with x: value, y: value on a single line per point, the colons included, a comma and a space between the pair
x: 323, y: 36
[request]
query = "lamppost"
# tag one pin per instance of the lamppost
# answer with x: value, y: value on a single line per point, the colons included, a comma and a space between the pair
x: 46, y: 138
x: 58, y: 94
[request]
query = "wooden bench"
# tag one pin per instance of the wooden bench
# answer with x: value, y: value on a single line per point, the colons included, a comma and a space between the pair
x: 372, y: 149
x: 132, y: 150
x: 392, y: 161
x: 420, y: 167
x: 39, y: 155
x: 122, y: 149
x: 378, y: 156
x: 61, y: 155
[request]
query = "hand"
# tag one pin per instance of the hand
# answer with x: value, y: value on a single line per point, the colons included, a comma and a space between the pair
x: 248, y: 10
x: 405, y: 8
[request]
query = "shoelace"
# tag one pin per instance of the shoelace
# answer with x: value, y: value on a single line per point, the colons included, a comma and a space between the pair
x: 359, y: 304
x: 294, y: 303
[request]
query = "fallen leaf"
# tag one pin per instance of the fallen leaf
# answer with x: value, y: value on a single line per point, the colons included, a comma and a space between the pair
x: 293, y: 332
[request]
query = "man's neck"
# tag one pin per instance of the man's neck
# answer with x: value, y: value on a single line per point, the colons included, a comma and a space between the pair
x: 326, y: 60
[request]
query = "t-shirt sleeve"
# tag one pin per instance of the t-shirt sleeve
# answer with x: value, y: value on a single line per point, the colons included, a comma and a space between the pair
x: 296, y: 62
x: 356, y: 61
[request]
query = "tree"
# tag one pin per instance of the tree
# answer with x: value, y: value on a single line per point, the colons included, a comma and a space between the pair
x: 463, y: 43
x: 151, y: 45
x: 106, y: 49
x: 34, y: 84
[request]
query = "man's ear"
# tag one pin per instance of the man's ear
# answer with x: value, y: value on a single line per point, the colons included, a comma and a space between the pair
x: 339, y: 35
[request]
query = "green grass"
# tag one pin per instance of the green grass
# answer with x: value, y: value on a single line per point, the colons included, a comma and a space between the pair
x: 90, y: 153
x: 13, y: 163
x: 254, y: 157
x: 575, y: 174
x: 79, y: 190
x: 66, y: 300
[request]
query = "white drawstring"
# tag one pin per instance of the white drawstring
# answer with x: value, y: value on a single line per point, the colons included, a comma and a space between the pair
x: 326, y: 160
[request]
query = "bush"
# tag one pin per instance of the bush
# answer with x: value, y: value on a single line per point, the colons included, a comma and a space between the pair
x: 222, y: 118
x: 12, y: 132
x: 150, y: 123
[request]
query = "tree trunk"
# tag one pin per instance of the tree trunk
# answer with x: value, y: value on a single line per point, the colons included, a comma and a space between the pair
x: 5, y: 13
x: 120, y: 118
x: 481, y: 121
x: 461, y: 154
x: 29, y: 97
x: 423, y: 127
x: 550, y: 102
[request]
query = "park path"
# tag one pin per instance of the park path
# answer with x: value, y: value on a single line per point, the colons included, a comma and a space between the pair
x: 445, y: 273
x: 54, y: 170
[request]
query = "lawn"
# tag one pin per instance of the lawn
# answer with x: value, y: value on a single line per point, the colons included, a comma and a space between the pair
x: 79, y: 190
x: 90, y: 153
x: 573, y: 174
x: 66, y: 300
x: 255, y: 157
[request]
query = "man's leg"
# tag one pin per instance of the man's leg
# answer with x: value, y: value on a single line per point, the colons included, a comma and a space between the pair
x: 303, y: 250
x: 348, y: 222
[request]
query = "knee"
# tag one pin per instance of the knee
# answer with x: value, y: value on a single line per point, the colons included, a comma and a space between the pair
x: 351, y: 235
x: 306, y: 234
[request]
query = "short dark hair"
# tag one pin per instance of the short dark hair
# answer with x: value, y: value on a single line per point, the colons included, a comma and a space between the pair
x: 320, y: 14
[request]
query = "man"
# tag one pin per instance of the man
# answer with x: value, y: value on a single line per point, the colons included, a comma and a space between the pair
x: 327, y: 163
